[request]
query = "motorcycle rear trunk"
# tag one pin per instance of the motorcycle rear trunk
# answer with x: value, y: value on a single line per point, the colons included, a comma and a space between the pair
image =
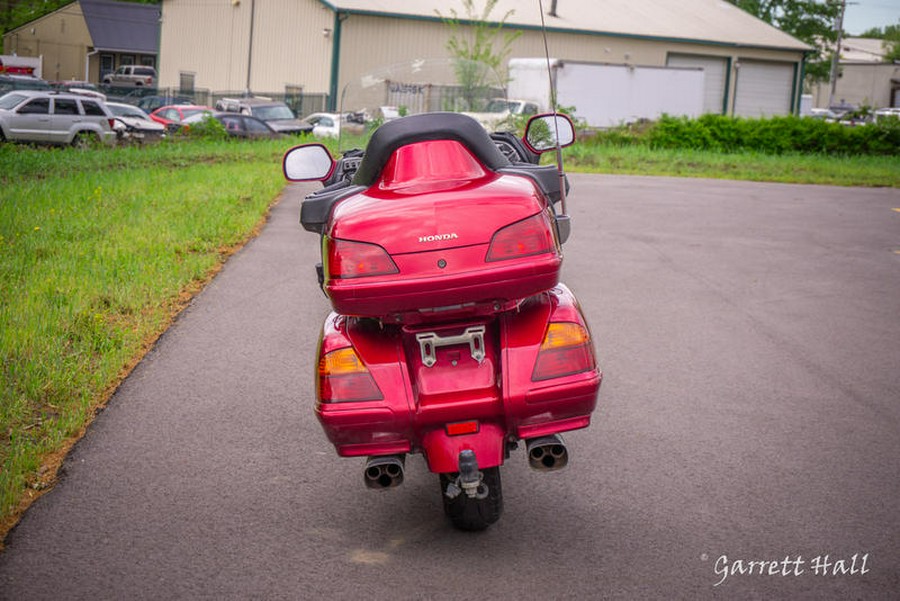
x: 438, y: 216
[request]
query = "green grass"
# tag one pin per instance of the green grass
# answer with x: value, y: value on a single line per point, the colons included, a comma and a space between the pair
x: 100, y: 248
x: 97, y: 250
x: 787, y: 168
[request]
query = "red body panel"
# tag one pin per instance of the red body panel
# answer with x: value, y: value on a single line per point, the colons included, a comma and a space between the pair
x: 419, y: 401
x: 435, y: 210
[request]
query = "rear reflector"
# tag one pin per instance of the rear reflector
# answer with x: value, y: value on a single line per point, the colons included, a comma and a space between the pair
x: 462, y: 428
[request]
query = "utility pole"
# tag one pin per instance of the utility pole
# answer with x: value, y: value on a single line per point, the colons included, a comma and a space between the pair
x: 837, y: 53
x: 250, y: 46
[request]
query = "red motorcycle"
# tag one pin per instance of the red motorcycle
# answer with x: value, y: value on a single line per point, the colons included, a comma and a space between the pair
x: 451, y: 335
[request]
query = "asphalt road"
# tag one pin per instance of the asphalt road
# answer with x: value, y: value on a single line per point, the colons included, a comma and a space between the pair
x: 750, y: 412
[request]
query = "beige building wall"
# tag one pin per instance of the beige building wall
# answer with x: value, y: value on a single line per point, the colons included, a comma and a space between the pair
x: 60, y: 38
x: 875, y: 85
x: 371, y: 41
x: 212, y: 41
x: 293, y: 43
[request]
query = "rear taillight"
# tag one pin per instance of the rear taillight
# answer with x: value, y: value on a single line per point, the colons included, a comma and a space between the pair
x: 348, y: 259
x: 344, y: 377
x: 532, y: 236
x: 112, y: 123
x: 566, y: 350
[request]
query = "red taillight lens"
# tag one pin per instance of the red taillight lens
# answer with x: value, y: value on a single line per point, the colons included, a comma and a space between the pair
x: 344, y: 377
x: 566, y: 350
x: 348, y: 259
x: 532, y: 236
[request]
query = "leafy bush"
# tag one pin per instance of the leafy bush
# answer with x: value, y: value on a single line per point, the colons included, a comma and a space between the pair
x: 208, y: 128
x: 773, y: 135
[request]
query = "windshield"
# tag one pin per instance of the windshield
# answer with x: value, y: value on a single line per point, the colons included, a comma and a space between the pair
x: 498, y: 106
x: 11, y: 100
x: 272, y: 113
x: 419, y: 86
x: 127, y: 111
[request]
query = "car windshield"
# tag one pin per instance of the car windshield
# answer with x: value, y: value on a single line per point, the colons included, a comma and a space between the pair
x: 191, y: 112
x: 498, y: 106
x: 11, y: 100
x: 272, y: 113
x: 127, y: 111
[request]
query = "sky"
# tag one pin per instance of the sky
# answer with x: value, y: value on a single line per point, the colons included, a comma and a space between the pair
x: 865, y: 14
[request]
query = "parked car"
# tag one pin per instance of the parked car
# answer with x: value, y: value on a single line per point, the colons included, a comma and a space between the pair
x: 8, y: 83
x: 277, y: 114
x: 85, y: 88
x: 151, y: 103
x: 886, y: 113
x: 54, y: 118
x: 172, y: 116
x: 237, y: 125
x: 16, y: 69
x: 329, y: 125
x: 132, y: 123
x: 128, y: 76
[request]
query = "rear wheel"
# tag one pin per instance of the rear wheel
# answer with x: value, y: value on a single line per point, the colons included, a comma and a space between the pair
x: 474, y: 513
x: 84, y: 140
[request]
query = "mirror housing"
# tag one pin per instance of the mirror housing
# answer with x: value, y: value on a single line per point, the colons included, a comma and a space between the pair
x: 543, y: 131
x: 310, y: 162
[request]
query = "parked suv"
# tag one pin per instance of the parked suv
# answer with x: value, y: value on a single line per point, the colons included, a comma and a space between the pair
x: 275, y: 113
x: 54, y: 118
x: 128, y: 76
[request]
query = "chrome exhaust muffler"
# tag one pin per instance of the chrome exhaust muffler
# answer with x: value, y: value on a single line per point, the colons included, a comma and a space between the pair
x: 384, y: 472
x: 547, y: 453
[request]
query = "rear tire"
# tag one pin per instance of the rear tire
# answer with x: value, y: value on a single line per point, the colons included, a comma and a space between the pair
x: 473, y: 514
x: 84, y: 140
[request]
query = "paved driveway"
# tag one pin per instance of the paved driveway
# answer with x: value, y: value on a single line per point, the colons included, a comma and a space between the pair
x: 750, y: 412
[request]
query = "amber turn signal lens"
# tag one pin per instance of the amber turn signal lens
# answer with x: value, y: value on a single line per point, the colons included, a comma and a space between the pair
x: 566, y: 350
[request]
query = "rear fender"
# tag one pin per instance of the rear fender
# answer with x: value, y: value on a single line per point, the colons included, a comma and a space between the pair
x: 442, y: 450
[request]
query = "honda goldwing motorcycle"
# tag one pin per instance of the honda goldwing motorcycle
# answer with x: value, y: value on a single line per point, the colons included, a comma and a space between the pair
x: 450, y: 335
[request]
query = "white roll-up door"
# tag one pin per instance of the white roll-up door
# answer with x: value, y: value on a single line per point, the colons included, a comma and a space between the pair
x: 715, y: 69
x: 763, y: 88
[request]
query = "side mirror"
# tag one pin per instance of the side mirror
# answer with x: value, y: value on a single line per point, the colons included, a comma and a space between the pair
x: 544, y: 131
x: 310, y: 162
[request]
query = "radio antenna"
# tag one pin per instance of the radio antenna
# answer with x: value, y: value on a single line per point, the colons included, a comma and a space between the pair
x: 562, y: 219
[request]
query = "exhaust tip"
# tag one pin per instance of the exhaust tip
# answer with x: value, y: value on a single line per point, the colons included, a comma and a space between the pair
x: 384, y: 472
x: 547, y: 453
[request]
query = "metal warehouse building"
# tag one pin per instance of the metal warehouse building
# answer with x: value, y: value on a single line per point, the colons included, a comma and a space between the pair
x: 285, y: 46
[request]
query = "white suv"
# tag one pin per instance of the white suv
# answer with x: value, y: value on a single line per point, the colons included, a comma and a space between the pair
x: 128, y: 76
x: 54, y: 118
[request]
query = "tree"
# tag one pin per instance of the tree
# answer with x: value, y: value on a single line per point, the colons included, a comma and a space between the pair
x: 474, y: 46
x: 811, y: 21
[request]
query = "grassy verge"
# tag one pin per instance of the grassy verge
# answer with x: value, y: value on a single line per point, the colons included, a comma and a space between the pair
x: 98, y: 250
x: 786, y: 168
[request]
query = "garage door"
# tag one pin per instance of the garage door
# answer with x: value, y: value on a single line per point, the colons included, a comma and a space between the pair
x: 763, y: 88
x: 715, y: 69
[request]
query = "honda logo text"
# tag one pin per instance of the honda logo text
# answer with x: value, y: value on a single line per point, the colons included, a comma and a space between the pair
x: 438, y: 237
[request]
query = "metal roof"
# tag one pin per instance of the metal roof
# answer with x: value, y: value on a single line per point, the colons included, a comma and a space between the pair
x: 704, y: 21
x: 862, y: 50
x: 122, y: 26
